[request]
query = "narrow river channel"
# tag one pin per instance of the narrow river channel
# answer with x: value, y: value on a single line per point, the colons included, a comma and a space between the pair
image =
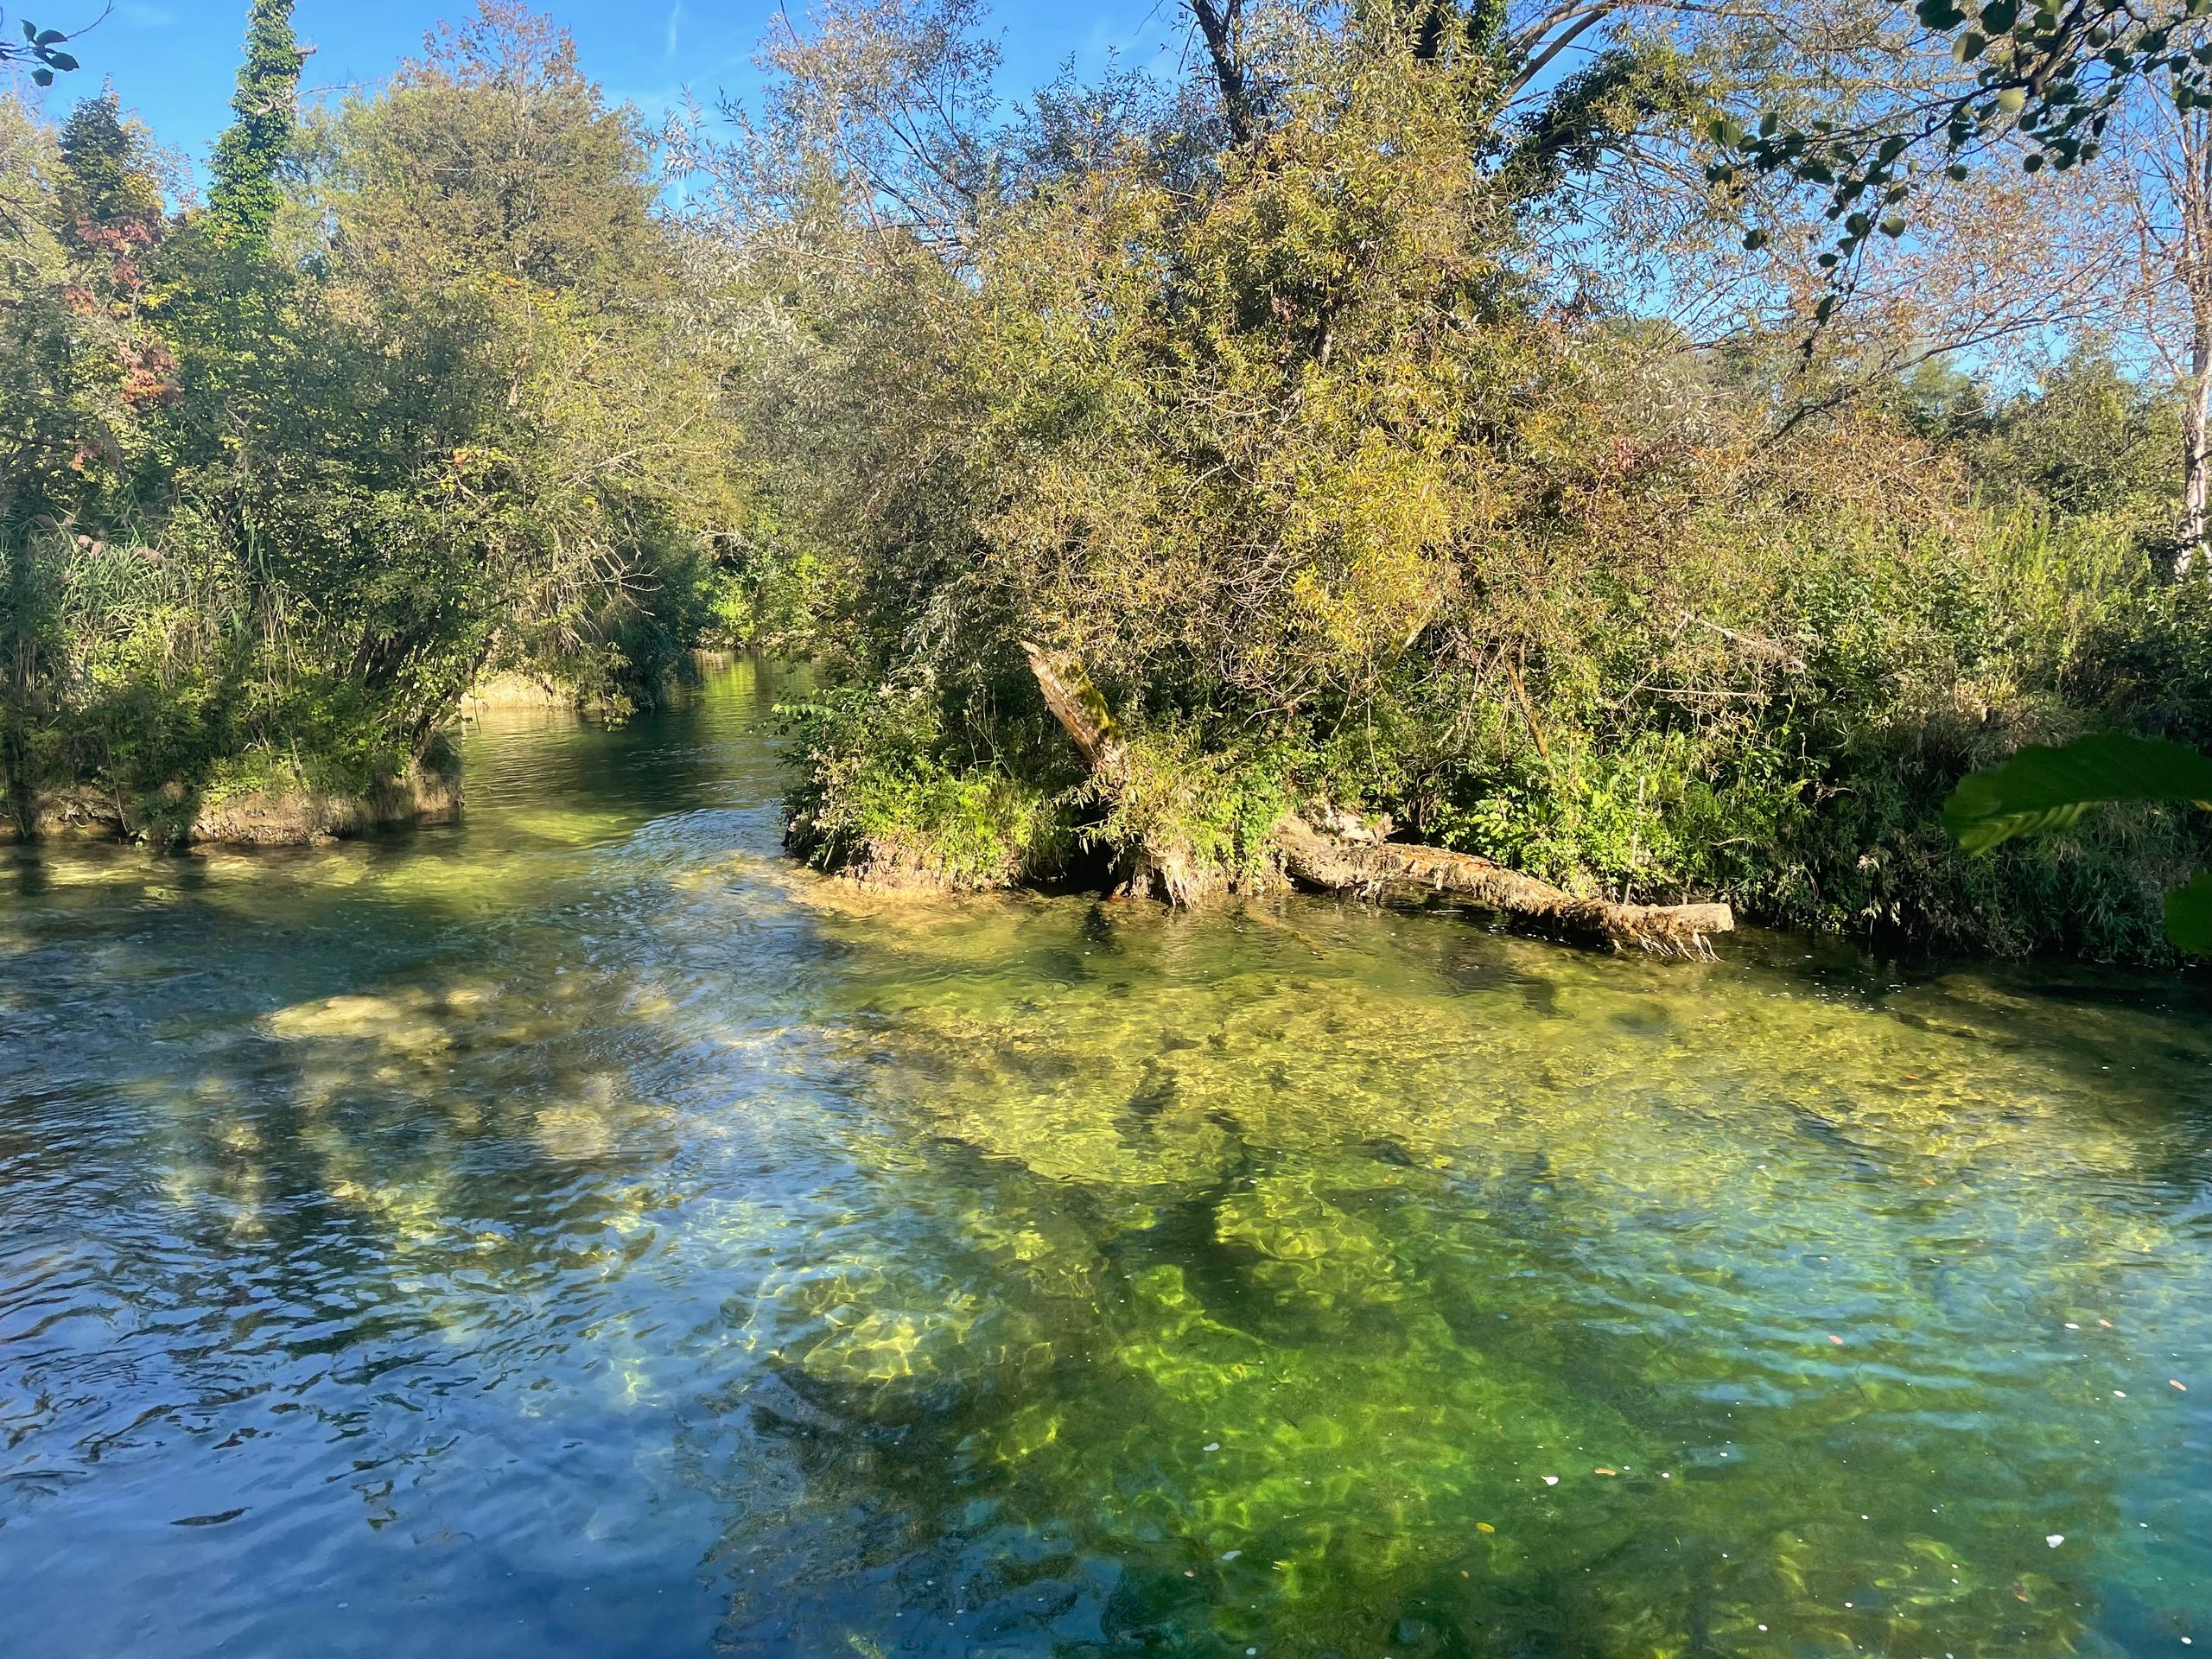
x: 578, y: 1231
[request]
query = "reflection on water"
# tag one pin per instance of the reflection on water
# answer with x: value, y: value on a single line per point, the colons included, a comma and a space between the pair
x: 578, y: 1231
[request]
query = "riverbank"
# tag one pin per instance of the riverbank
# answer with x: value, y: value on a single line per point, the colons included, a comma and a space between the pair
x: 259, y: 816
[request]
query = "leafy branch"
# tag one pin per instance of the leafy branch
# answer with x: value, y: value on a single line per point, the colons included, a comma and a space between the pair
x: 41, y: 48
x: 2047, y: 77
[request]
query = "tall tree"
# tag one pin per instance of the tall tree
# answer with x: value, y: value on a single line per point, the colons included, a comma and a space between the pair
x: 495, y: 152
x: 2161, y: 173
x: 244, y: 197
x: 107, y: 178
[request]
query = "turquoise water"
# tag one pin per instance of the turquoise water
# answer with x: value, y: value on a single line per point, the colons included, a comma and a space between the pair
x: 577, y: 1231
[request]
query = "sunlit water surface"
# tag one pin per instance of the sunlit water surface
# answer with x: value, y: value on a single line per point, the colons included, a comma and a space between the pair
x: 580, y: 1232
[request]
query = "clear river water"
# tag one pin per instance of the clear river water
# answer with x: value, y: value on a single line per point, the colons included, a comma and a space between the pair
x: 578, y: 1231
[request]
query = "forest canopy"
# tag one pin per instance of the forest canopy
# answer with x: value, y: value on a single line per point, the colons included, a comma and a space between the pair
x: 1476, y: 424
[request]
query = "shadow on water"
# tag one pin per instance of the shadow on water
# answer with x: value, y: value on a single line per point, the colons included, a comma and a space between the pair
x: 577, y: 1231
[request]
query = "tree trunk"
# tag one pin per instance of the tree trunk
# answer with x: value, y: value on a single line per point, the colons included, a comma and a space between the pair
x: 2191, y: 183
x: 2196, y: 453
x: 1220, y: 22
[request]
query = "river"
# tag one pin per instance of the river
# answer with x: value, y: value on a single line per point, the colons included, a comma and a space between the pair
x: 578, y: 1231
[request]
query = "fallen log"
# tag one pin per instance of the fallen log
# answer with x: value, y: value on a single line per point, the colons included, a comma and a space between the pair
x: 1350, y: 856
x: 1395, y: 869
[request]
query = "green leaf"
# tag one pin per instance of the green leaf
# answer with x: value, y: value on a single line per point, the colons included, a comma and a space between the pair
x: 42, y: 77
x: 2188, y: 915
x: 48, y: 37
x: 2012, y: 100
x: 1939, y: 14
x: 61, y: 60
x: 1893, y: 227
x: 2040, y: 789
x: 1999, y: 16
x: 1754, y: 240
x: 1968, y: 47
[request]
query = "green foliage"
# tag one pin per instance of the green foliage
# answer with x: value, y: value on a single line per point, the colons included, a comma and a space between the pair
x: 2050, y: 78
x: 244, y: 196
x: 1189, y: 819
x: 878, y: 799
x: 272, y: 503
x: 2188, y: 915
x: 2089, y: 442
x: 2041, y: 789
x: 106, y: 183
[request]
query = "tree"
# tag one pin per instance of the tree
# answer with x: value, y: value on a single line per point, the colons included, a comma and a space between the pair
x: 2043, y: 81
x: 264, y: 534
x: 2159, y: 168
x: 2049, y: 91
x: 107, y: 182
x: 494, y: 152
x: 244, y: 196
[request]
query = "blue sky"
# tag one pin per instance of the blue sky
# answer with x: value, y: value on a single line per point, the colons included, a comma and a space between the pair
x: 174, y: 60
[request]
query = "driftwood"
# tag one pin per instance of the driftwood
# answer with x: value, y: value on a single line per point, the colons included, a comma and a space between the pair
x: 1394, y: 869
x: 1343, y: 855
